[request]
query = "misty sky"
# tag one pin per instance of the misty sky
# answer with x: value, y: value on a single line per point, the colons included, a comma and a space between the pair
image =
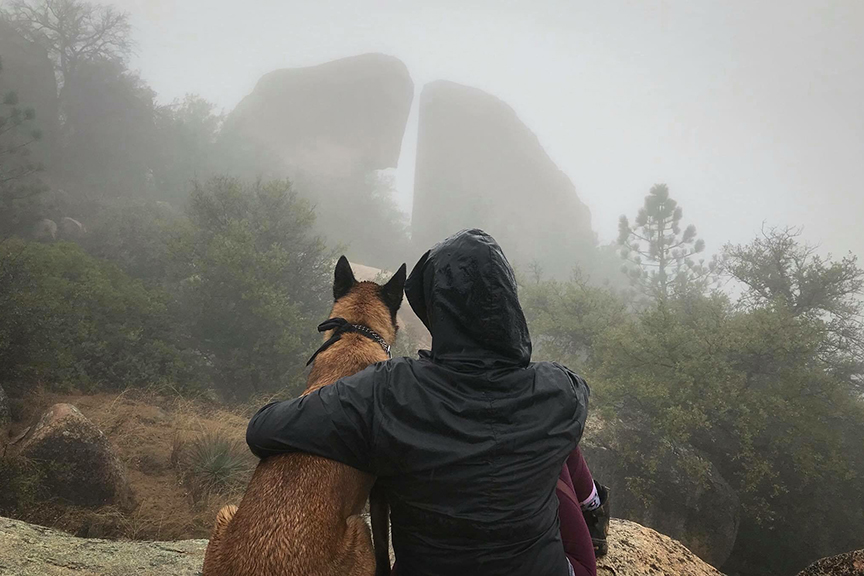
x: 751, y: 111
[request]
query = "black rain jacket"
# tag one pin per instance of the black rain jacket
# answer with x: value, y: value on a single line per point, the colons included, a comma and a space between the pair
x: 468, y: 440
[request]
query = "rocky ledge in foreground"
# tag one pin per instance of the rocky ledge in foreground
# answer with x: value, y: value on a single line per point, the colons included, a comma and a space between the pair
x: 28, y: 550
x: 638, y: 551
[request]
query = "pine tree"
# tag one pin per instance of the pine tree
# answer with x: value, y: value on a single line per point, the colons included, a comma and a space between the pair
x: 658, y: 254
x: 18, y: 187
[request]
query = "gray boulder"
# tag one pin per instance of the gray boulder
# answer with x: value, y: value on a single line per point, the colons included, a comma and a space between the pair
x: 71, y: 229
x: 670, y: 488
x: 344, y: 116
x: 330, y: 128
x: 480, y: 166
x: 76, y: 462
x: 45, y: 230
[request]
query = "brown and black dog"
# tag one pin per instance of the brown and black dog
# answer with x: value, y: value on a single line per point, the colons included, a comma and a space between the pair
x: 301, y: 513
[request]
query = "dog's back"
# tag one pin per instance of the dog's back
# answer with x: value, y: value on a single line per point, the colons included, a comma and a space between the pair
x: 301, y: 513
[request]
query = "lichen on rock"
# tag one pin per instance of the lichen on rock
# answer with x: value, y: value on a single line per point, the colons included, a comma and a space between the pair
x: 635, y: 550
x: 848, y: 564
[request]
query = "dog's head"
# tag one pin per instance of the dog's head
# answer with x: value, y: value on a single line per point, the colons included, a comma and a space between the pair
x: 367, y: 303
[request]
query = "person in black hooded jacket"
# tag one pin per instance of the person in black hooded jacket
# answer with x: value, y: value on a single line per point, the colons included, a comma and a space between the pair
x: 467, y: 440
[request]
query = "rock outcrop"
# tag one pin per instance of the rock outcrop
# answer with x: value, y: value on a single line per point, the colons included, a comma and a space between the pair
x: 28, y: 550
x: 480, y: 166
x: 330, y: 128
x: 45, y: 230
x: 76, y: 462
x: 635, y: 550
x: 344, y: 116
x: 848, y: 564
x: 686, y: 497
x: 29, y: 73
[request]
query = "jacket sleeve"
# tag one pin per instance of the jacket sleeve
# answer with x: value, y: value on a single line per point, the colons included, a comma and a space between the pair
x: 338, y: 422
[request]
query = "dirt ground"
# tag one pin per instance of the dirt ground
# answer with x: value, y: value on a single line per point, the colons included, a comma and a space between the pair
x: 148, y: 430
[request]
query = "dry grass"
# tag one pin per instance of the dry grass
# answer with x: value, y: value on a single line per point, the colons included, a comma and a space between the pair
x: 185, y: 459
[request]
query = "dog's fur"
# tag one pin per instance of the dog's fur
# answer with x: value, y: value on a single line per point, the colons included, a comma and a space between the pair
x: 301, y: 513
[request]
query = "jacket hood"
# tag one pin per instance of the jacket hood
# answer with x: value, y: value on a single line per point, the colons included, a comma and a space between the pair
x: 464, y: 291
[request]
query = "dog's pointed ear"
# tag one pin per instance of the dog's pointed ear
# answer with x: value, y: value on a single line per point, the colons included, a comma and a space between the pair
x: 391, y: 292
x: 344, y: 279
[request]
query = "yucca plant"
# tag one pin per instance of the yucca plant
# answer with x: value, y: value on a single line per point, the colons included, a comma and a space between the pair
x: 214, y: 462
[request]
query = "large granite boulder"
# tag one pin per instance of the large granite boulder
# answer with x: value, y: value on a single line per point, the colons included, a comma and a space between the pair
x: 635, y: 550
x: 848, y: 564
x: 76, y: 462
x: 45, y: 230
x: 28, y: 550
x: 344, y: 116
x: 480, y: 166
x: 670, y: 488
x: 330, y: 128
x: 28, y: 72
x: 71, y: 229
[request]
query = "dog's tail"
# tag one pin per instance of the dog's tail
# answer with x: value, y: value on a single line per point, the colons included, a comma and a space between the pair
x: 211, y: 555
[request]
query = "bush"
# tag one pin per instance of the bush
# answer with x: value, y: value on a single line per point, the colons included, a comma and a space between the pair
x: 767, y: 388
x: 135, y: 236
x: 254, y: 283
x: 69, y: 320
x: 21, y: 479
x: 747, y: 388
x: 567, y: 318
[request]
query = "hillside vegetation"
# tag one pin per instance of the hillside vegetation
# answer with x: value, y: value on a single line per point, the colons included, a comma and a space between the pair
x: 150, y: 277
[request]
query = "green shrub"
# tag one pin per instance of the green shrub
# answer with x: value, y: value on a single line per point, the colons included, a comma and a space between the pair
x: 135, y: 236
x: 68, y: 320
x: 766, y: 387
x: 22, y: 485
x: 254, y: 282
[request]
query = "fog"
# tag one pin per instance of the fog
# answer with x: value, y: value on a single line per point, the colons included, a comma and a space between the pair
x: 189, y: 188
x: 750, y: 112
